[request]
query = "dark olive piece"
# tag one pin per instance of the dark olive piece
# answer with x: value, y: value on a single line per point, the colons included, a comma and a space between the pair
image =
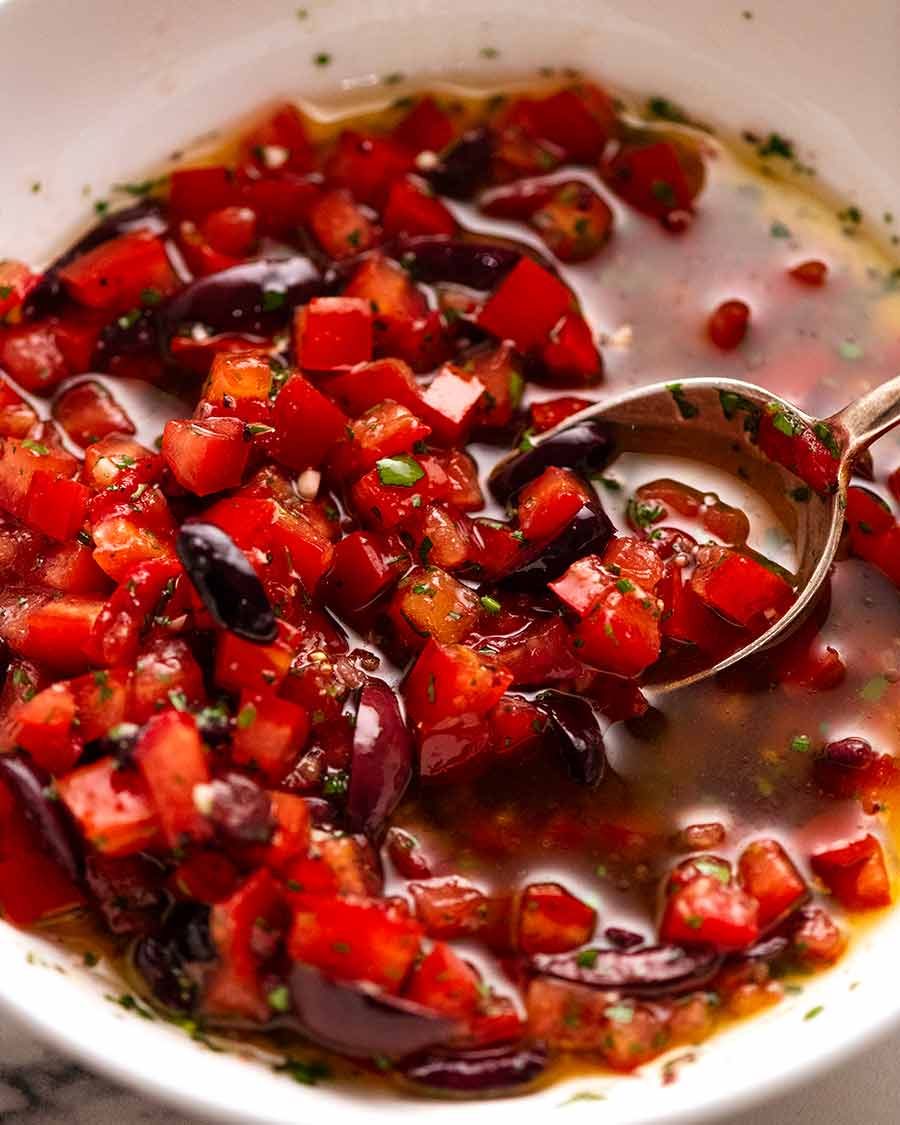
x: 585, y: 447
x: 32, y: 787
x: 490, y: 1070
x: 381, y: 767
x: 226, y: 582
x: 463, y: 169
x: 588, y: 533
x: 657, y: 970
x: 170, y: 959
x: 574, y: 724
x: 434, y: 258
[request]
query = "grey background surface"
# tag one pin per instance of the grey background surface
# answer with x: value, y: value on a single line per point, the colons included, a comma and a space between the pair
x: 39, y: 1086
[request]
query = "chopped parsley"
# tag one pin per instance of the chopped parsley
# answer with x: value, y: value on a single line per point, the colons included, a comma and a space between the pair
x: 306, y: 1073
x: 685, y: 408
x: 401, y: 471
x: 801, y: 743
x: 489, y: 604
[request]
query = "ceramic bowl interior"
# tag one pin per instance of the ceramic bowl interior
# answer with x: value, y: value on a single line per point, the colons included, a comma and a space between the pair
x: 101, y: 91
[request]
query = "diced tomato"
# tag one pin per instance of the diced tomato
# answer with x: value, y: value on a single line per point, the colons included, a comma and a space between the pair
x: 235, y: 988
x: 549, y: 503
x: 270, y: 734
x: 583, y: 584
x: 52, y: 632
x: 441, y: 535
x: 495, y: 547
x: 33, y: 887
x: 172, y: 761
x: 307, y: 424
x: 621, y: 634
x: 709, y: 912
x: 815, y: 937
x: 100, y: 699
x: 412, y: 209
x: 812, y: 272
x: 143, y: 593
x: 768, y: 875
x: 243, y: 665
x: 787, y: 440
x: 392, y: 493
x: 355, y: 939
x: 516, y: 725
x: 16, y: 415
x: 570, y: 355
x: 116, y: 273
x: 333, y: 332
x: 340, y: 225
x: 88, y: 412
x: 687, y: 619
x: 383, y: 431
x: 280, y: 141
x: 534, y: 651
x: 498, y: 370
x: 551, y: 920
x: 70, y: 568
x: 337, y: 865
x: 230, y: 230
x: 450, y: 907
x: 56, y: 506
x: 165, y: 674
x: 195, y: 192
x: 855, y: 873
x: 575, y: 222
x: 426, y: 128
x: 30, y: 353
x: 238, y: 375
x: 737, y: 586
x: 366, y: 564
x: 20, y: 461
x: 111, y: 806
x: 727, y: 325
x: 367, y: 165
x: 371, y: 384
x: 654, y: 178
x: 545, y: 415
x: 431, y: 603
x: 452, y: 680
x: 449, y: 405
x: 579, y: 119
x: 636, y: 559
x: 47, y: 728
x: 107, y: 458
x: 16, y: 282
x: 208, y: 456
x: 207, y: 876
x: 445, y: 983
x: 527, y: 305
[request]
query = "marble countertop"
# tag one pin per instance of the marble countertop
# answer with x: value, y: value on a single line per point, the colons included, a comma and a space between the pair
x: 39, y: 1086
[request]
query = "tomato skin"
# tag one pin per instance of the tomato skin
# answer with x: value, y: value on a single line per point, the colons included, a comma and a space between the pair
x: 802, y: 451
x: 621, y: 634
x: 426, y: 128
x: 551, y: 920
x: 367, y: 166
x: 570, y: 355
x: 270, y: 735
x: 728, y: 324
x: 813, y: 273
x: 46, y: 728
x: 87, y: 412
x: 333, y: 332
x: 33, y: 887
x: 20, y: 460
x: 449, y: 405
x: 206, y: 457
x: 526, y: 306
x: 195, y: 192
x: 164, y: 669
x: 546, y: 415
x: 16, y: 282
x: 16, y: 415
x: 549, y: 503
x: 737, y: 586
x: 70, y: 568
x: 235, y: 988
x: 445, y: 983
x: 307, y: 424
x: 54, y: 633
x: 341, y: 227
x: 172, y: 761
x: 449, y: 907
x: 855, y: 873
x: 100, y: 699
x: 767, y: 874
x: 451, y: 680
x: 579, y: 120
x: 243, y: 376
x: 583, y: 585
x: 705, y: 911
x: 366, y: 564
x: 240, y: 664
x: 31, y: 354
x: 652, y: 178
x: 412, y: 210
x: 207, y: 876
x: 111, y: 806
x: 383, y: 431
x: 574, y: 222
x: 355, y: 938
x: 115, y: 274
x: 56, y: 506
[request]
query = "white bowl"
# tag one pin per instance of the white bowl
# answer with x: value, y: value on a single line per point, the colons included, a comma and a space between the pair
x: 98, y: 91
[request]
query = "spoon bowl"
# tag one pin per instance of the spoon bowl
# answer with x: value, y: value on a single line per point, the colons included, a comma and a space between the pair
x: 715, y: 421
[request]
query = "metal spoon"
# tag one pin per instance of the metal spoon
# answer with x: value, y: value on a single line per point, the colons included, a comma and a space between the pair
x: 705, y: 420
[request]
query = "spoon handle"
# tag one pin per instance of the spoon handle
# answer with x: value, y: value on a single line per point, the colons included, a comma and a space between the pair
x: 869, y: 416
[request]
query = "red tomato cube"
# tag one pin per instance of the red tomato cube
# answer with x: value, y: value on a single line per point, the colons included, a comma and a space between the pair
x: 270, y: 734
x: 708, y: 912
x: 526, y: 306
x: 307, y: 424
x: 768, y: 875
x: 855, y: 873
x: 206, y: 457
x: 115, y: 274
x: 737, y: 586
x: 333, y: 332
x: 551, y: 920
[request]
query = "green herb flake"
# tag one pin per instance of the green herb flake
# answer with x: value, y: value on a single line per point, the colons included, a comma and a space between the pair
x: 306, y: 1073
x: 489, y: 604
x: 801, y: 743
x: 715, y: 869
x: 431, y: 690
x: 587, y: 958
x: 779, y: 230
x: 36, y: 448
x: 643, y: 515
x: 873, y: 690
x: 401, y: 471
x: 624, y: 586
x: 619, y: 1013
x: 813, y: 1012
x: 666, y: 110
x: 246, y: 716
x: 273, y: 299
x: 336, y: 783
x: 825, y: 435
x: 489, y: 52
x: 90, y: 959
x: 850, y: 350
x: 583, y: 1096
x: 802, y: 494
x: 323, y: 58
x: 279, y: 999
x: 686, y: 409
x: 776, y: 145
